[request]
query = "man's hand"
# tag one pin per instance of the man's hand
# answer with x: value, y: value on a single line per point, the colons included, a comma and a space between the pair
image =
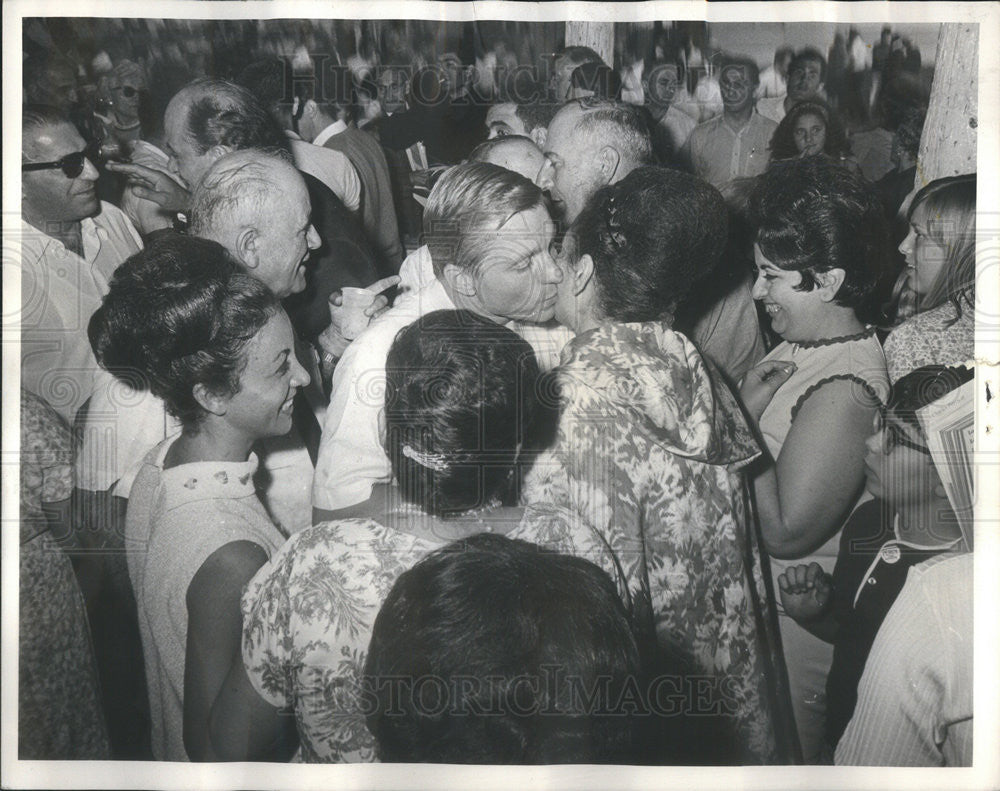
x: 805, y: 591
x: 154, y: 185
x: 347, y: 321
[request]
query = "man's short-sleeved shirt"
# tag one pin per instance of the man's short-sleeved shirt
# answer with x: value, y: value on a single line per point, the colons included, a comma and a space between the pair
x: 719, y: 154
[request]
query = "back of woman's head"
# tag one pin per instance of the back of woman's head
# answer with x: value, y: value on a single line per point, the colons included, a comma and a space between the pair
x: 813, y: 215
x: 949, y: 207
x: 924, y: 386
x: 652, y: 237
x: 178, y: 314
x: 499, y: 651
x: 461, y: 394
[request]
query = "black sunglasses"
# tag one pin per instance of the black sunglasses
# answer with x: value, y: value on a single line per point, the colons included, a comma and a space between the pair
x: 127, y: 91
x: 72, y: 164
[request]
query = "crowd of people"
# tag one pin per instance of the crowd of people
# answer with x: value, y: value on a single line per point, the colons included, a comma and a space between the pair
x: 370, y: 417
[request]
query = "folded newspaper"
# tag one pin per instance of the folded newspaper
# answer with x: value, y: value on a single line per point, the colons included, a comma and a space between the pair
x: 950, y: 427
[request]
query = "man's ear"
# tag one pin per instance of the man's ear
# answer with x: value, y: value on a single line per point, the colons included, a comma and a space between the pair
x: 217, y: 152
x: 829, y: 283
x: 310, y: 110
x: 582, y: 272
x: 246, y: 248
x: 460, y: 280
x: 538, y: 135
x: 209, y: 401
x: 608, y: 160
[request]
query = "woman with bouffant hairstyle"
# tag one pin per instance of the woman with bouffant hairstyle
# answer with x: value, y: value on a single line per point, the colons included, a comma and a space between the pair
x: 216, y: 346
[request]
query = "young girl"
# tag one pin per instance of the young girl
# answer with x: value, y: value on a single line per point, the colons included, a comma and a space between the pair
x: 940, y: 252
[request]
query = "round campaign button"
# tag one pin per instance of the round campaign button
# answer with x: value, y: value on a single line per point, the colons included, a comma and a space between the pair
x: 890, y: 554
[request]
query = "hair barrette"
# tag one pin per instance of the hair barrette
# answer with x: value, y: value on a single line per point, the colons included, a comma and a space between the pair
x: 432, y: 461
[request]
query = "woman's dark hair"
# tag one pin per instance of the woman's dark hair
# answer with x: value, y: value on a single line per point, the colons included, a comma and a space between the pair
x: 652, y: 236
x: 489, y: 650
x: 179, y: 314
x: 461, y: 395
x: 783, y: 140
x: 924, y: 386
x: 813, y: 215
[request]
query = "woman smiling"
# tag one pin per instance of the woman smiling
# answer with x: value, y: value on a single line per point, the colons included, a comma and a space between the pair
x: 821, y: 241
x: 218, y: 349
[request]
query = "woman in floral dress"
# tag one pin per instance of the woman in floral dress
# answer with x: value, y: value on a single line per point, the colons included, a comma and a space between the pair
x: 59, y: 710
x: 644, y: 477
x: 460, y: 396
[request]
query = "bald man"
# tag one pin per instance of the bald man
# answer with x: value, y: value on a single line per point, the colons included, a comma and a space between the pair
x: 592, y: 143
x: 256, y: 206
x: 513, y: 152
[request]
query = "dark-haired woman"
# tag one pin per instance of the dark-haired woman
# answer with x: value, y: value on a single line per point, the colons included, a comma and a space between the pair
x: 821, y: 243
x: 218, y: 349
x: 644, y: 476
x: 460, y: 394
x: 509, y: 675
x: 811, y: 128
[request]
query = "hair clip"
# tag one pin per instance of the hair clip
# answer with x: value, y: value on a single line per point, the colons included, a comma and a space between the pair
x: 617, y: 238
x: 432, y: 461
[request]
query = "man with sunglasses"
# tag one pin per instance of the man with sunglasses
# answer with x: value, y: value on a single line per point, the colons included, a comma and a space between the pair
x: 69, y: 245
x: 909, y: 521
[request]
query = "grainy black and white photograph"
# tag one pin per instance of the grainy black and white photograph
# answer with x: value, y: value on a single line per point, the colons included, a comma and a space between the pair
x: 606, y: 390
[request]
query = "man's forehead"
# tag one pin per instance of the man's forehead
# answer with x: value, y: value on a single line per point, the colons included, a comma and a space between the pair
x: 565, y: 122
x: 55, y: 138
x: 531, y: 228
x: 734, y: 73
x: 501, y: 112
x: 391, y: 77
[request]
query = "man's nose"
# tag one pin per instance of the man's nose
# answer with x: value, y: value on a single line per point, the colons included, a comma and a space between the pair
x: 553, y: 274
x: 313, y: 239
x: 544, y: 178
x: 89, y: 172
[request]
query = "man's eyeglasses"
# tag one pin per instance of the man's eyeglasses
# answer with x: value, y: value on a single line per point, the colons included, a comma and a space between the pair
x: 127, y: 91
x: 72, y: 164
x: 892, y: 436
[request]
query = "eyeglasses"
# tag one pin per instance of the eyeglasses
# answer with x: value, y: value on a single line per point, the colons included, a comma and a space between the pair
x: 892, y: 436
x: 127, y: 91
x: 72, y: 164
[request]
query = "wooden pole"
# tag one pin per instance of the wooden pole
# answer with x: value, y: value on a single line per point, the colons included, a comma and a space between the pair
x: 948, y: 142
x: 599, y: 36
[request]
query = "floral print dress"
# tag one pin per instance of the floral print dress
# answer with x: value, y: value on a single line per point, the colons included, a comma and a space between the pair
x: 644, y: 481
x: 59, y: 709
x: 307, y: 619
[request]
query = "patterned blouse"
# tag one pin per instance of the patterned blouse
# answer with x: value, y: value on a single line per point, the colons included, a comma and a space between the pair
x: 933, y: 337
x: 643, y: 480
x: 307, y: 620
